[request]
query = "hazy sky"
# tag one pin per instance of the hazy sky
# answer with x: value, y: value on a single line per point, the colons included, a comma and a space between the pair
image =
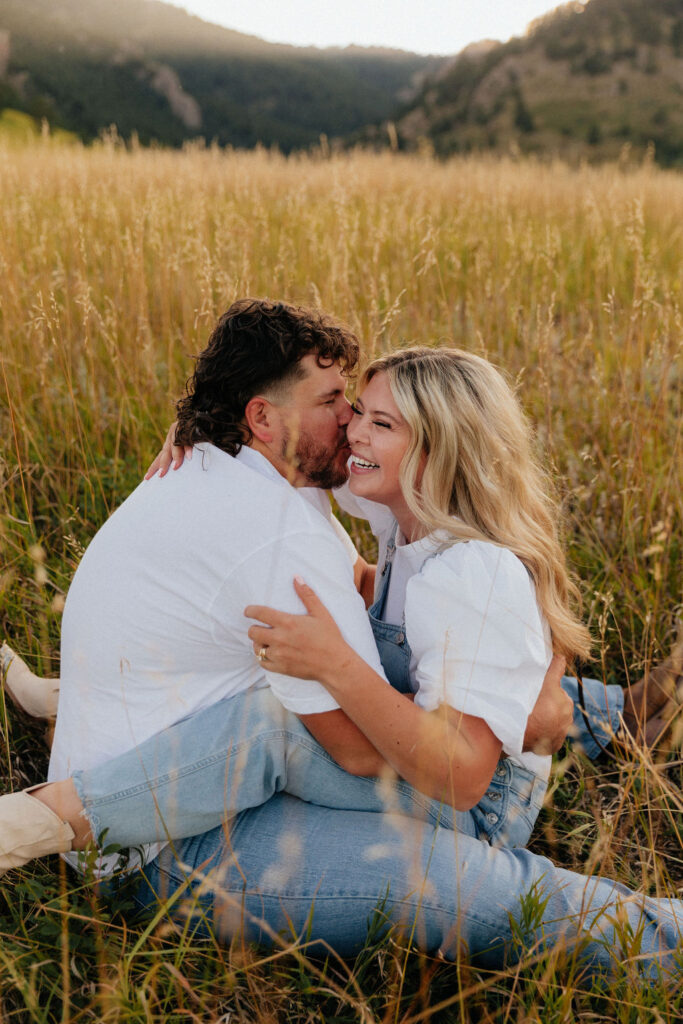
x: 426, y: 26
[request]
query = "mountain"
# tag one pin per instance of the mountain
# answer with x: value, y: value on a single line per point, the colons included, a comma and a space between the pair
x: 157, y: 71
x: 584, y: 81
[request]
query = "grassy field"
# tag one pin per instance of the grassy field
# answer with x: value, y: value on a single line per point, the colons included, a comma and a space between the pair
x: 113, y: 267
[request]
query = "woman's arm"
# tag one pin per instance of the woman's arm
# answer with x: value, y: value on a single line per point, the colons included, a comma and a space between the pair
x: 446, y: 754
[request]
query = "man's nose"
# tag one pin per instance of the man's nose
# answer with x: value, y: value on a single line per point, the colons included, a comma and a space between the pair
x: 345, y: 415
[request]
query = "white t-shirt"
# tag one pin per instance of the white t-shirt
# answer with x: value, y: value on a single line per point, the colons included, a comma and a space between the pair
x: 478, y: 639
x: 154, y: 626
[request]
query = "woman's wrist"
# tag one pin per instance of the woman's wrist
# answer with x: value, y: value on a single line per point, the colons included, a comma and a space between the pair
x: 340, y: 670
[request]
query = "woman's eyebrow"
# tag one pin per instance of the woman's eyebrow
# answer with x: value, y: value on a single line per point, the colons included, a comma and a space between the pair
x: 378, y: 412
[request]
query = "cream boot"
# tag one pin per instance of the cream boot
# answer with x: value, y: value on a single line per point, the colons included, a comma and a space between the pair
x: 36, y: 696
x: 29, y: 829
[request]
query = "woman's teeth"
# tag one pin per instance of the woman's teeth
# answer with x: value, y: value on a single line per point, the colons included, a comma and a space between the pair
x: 363, y: 463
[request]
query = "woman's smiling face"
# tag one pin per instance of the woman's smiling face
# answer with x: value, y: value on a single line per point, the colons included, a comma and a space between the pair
x: 379, y: 438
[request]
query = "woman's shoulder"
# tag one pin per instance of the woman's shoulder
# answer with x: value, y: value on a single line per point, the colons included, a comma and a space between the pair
x: 472, y: 585
x: 477, y: 573
x: 475, y: 566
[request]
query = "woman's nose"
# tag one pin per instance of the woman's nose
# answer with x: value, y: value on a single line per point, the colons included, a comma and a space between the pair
x: 355, y: 428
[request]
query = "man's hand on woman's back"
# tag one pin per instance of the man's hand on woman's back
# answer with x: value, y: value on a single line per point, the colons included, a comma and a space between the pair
x: 553, y: 713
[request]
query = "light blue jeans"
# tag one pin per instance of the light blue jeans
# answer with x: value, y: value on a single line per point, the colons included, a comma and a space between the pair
x: 292, y: 870
x: 319, y: 870
x: 238, y: 753
x: 241, y: 751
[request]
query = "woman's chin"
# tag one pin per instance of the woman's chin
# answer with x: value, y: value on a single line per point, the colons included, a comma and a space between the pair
x: 361, y: 486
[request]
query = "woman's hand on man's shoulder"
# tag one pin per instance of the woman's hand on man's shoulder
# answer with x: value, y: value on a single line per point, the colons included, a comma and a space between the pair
x: 171, y: 454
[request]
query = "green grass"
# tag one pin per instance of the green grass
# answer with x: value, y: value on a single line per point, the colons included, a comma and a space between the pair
x: 17, y: 127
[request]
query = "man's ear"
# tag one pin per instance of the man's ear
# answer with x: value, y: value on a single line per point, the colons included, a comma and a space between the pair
x: 262, y: 419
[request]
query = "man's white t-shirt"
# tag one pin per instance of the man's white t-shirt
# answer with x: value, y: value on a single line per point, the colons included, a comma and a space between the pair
x: 154, y: 626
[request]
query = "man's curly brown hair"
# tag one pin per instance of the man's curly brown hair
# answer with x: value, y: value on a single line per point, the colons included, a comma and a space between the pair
x: 255, y: 348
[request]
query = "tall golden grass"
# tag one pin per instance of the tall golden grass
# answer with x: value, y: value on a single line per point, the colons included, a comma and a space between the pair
x: 114, y: 264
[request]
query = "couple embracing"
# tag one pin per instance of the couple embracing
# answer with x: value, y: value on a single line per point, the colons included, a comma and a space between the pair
x: 271, y: 771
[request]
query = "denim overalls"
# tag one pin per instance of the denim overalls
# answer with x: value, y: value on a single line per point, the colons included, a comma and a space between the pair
x: 506, y: 814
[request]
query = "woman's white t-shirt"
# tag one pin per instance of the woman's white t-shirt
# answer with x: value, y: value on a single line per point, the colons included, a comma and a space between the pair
x: 479, y: 641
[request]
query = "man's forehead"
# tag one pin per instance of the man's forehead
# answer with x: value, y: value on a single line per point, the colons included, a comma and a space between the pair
x: 320, y: 381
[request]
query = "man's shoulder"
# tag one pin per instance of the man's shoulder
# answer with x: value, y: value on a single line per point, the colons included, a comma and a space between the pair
x: 227, y: 491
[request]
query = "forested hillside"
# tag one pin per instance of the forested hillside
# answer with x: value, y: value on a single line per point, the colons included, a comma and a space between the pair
x: 154, y: 70
x: 583, y: 82
x: 588, y: 81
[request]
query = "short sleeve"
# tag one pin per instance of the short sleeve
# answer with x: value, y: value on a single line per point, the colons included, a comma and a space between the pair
x: 478, y: 638
x: 267, y: 578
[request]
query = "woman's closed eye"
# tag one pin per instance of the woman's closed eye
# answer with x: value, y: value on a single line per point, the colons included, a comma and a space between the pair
x: 377, y: 423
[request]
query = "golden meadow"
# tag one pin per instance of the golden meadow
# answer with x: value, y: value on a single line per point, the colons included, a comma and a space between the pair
x: 115, y: 263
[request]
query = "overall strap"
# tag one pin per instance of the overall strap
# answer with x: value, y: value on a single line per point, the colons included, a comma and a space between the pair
x: 606, y: 750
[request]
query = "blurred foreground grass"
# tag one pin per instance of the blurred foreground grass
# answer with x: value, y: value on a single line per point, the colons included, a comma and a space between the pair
x: 113, y: 267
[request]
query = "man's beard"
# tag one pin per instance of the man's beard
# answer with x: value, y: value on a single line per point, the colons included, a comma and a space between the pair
x: 320, y: 466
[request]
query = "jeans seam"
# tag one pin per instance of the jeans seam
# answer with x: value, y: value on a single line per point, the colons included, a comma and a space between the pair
x: 416, y: 901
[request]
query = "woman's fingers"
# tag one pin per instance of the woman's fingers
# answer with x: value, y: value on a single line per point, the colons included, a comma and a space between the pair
x: 160, y: 465
x: 296, y: 645
x: 271, y: 616
x: 179, y: 453
x: 310, y: 599
x: 260, y: 635
x: 312, y: 602
x: 152, y: 468
x: 171, y: 453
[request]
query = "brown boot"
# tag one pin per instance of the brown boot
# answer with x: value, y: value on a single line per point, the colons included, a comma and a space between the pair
x: 651, y: 703
x: 29, y: 829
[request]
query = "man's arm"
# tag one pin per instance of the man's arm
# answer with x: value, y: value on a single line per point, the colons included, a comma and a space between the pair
x: 552, y: 716
x: 344, y: 742
x: 364, y: 578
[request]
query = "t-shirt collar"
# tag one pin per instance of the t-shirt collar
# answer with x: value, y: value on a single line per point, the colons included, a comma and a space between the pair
x: 258, y: 462
x: 425, y: 545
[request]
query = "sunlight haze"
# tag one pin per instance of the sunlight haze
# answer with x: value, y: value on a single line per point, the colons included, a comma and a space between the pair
x: 433, y: 26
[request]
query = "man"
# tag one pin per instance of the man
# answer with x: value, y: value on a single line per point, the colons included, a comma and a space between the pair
x: 153, y: 632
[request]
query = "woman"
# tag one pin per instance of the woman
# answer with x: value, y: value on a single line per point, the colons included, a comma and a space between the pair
x: 440, y: 456
x: 493, y: 500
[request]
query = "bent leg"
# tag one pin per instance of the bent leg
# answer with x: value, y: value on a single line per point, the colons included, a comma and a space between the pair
x: 234, y: 755
x: 296, y: 869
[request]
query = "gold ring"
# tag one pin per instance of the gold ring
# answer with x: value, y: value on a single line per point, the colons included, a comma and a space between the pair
x: 262, y: 654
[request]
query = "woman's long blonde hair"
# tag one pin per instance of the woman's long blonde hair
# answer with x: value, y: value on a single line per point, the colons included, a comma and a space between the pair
x: 480, y: 479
